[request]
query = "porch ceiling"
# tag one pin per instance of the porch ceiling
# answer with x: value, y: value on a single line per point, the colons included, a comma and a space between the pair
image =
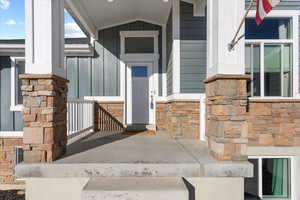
x: 99, y: 14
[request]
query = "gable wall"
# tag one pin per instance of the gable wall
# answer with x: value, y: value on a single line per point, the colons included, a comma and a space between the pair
x: 100, y: 75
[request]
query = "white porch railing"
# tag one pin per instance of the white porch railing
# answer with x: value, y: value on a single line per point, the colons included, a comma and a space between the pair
x: 80, y: 117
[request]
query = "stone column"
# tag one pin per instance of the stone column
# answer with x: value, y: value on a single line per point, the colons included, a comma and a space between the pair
x: 226, y: 84
x: 43, y: 87
x: 45, y: 117
x: 227, y: 128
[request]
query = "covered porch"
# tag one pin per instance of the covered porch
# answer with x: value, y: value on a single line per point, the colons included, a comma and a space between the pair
x: 141, y: 50
x: 147, y: 72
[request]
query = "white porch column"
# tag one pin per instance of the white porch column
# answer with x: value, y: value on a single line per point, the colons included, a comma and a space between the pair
x: 176, y: 45
x: 44, y: 47
x: 44, y: 87
x: 223, y: 18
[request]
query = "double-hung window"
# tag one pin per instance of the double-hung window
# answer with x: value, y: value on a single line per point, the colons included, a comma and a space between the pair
x: 269, y: 56
x: 272, y: 178
x: 17, y: 68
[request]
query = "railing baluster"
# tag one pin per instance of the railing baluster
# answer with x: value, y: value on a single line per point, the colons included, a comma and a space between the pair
x: 80, y: 116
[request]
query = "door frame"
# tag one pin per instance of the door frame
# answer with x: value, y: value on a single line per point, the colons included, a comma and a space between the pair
x: 127, y: 60
x: 151, y: 89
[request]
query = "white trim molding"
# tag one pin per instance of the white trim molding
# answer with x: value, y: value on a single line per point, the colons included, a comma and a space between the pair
x: 18, y: 50
x: 292, y: 174
x: 105, y: 98
x: 176, y: 46
x: 11, y: 134
x: 77, y: 11
x: 13, y: 87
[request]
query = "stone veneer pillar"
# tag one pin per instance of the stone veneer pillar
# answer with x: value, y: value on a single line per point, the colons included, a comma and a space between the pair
x: 45, y: 117
x: 227, y: 127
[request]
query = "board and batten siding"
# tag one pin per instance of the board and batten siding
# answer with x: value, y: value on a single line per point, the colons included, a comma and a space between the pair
x: 9, y: 121
x: 192, y: 50
x: 100, y: 75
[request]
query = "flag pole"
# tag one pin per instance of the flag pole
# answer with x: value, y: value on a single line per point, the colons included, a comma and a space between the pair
x: 233, y: 41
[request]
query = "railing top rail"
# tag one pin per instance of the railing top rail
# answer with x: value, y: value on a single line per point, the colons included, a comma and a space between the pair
x: 79, y: 101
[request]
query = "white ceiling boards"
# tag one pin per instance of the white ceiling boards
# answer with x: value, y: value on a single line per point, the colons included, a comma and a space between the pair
x: 99, y: 14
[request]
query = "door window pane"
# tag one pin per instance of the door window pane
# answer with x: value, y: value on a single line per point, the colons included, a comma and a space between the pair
x: 272, y: 70
x: 276, y: 177
x: 139, y: 72
x: 270, y: 28
x: 139, y: 45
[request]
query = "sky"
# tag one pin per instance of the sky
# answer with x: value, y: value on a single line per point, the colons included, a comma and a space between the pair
x: 12, y: 21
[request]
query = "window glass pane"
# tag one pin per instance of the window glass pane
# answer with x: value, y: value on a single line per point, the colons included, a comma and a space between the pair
x: 253, y: 67
x: 251, y: 184
x: 270, y: 28
x: 139, y: 71
x: 139, y: 45
x: 20, y: 69
x: 287, y: 70
x: 276, y: 177
x: 272, y: 70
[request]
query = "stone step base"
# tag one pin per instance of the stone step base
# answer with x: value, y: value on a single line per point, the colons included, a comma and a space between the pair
x: 133, y: 188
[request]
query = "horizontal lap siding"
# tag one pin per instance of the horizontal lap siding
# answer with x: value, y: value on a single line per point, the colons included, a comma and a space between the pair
x: 9, y: 121
x: 192, y: 50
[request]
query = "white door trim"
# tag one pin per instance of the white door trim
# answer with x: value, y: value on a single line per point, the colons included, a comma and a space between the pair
x: 140, y: 59
x: 128, y: 101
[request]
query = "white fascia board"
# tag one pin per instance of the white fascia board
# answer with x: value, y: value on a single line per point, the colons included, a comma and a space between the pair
x: 70, y: 50
x: 79, y: 49
x: 12, y: 49
x: 80, y: 15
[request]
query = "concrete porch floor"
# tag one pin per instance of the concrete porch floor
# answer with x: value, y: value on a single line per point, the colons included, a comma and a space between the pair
x: 115, y: 154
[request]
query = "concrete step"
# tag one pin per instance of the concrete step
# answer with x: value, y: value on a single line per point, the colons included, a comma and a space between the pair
x: 134, y: 188
x: 139, y: 127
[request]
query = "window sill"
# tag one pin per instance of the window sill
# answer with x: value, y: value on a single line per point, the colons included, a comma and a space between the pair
x: 16, y: 108
x: 275, y: 99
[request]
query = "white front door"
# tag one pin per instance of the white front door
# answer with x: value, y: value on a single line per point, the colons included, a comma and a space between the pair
x: 140, y: 93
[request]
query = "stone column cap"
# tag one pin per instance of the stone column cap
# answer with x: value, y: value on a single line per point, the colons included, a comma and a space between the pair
x: 42, y: 76
x: 227, y: 76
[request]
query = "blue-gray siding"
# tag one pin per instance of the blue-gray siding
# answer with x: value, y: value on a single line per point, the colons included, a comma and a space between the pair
x: 100, y: 75
x: 169, y: 46
x: 9, y: 121
x: 192, y: 50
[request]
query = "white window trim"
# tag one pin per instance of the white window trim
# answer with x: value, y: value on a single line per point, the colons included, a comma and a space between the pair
x: 11, y: 134
x: 13, y: 105
x: 294, y: 15
x: 292, y: 175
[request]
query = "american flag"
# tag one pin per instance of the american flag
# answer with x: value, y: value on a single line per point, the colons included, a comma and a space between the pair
x: 263, y: 7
